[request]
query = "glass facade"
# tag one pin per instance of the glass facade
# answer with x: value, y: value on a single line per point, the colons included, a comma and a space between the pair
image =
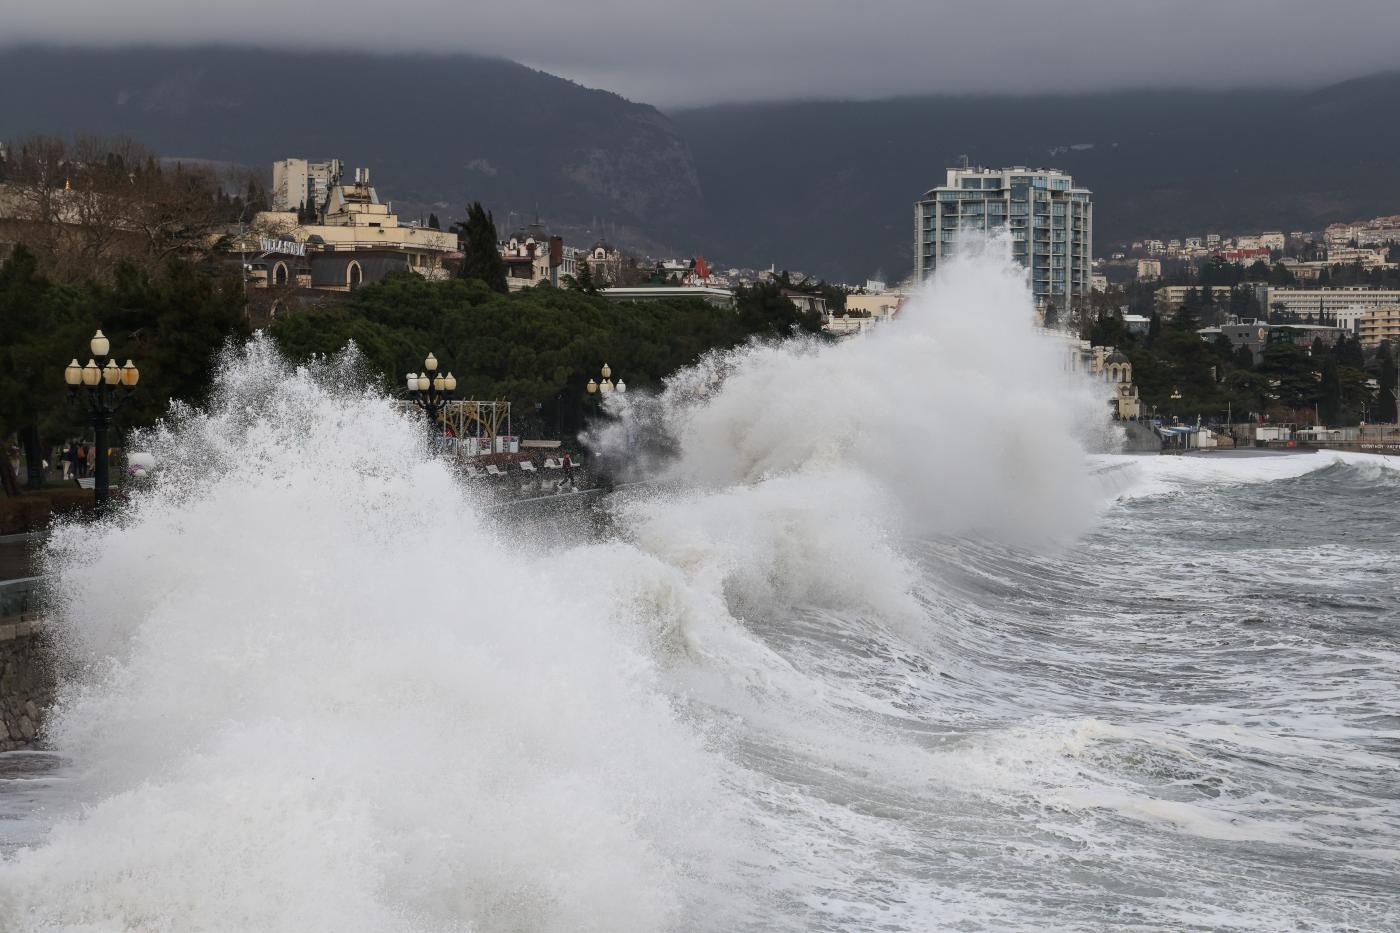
x: 1049, y: 220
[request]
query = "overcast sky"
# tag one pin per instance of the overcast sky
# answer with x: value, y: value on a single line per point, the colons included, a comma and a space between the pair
x: 672, y: 53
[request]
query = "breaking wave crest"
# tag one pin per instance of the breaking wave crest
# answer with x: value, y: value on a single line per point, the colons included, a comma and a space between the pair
x: 886, y: 647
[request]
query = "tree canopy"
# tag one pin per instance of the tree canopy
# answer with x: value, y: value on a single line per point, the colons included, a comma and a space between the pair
x: 172, y: 325
x: 536, y: 347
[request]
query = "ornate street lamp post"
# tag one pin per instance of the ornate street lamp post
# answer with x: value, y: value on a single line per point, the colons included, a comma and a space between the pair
x: 98, y: 387
x: 597, y: 389
x: 430, y: 390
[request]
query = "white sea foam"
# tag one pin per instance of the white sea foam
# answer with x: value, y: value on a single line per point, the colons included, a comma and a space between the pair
x: 831, y: 678
x: 960, y: 412
x: 318, y: 695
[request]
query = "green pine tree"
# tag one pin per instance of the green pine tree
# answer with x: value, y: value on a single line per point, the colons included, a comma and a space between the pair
x: 481, y: 256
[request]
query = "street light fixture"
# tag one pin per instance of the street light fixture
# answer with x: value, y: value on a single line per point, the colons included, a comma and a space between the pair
x: 430, y: 393
x: 595, y: 388
x: 99, y: 392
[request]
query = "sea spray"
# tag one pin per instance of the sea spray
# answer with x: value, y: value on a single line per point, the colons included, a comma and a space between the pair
x: 820, y: 680
x: 316, y: 693
x: 960, y: 412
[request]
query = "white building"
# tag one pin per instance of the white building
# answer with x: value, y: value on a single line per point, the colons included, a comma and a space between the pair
x: 532, y: 256
x: 1348, y: 317
x: 1050, y: 221
x: 1148, y: 269
x: 1372, y: 232
x: 297, y: 183
x: 1346, y: 255
x: 1315, y: 303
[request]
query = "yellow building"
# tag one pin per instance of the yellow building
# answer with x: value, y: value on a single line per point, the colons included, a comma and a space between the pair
x: 1379, y: 324
x: 884, y: 306
x: 355, y: 221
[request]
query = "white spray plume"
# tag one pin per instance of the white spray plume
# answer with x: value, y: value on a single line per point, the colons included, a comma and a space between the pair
x: 315, y: 693
x: 960, y: 411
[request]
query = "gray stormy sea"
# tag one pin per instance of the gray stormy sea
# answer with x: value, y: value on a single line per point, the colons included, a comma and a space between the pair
x: 839, y: 675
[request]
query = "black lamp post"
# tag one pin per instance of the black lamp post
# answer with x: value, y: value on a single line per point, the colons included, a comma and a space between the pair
x: 103, y: 389
x: 430, y: 390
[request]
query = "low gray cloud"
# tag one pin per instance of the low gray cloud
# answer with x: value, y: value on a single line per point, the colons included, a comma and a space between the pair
x: 705, y: 51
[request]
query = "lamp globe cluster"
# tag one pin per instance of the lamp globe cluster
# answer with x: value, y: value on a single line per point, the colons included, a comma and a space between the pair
x: 97, y: 384
x: 607, y: 385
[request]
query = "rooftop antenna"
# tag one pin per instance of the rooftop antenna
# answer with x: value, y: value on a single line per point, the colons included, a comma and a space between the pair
x: 963, y: 159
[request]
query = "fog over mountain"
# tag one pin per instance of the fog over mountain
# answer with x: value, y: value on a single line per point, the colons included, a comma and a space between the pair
x: 733, y: 50
x: 822, y: 186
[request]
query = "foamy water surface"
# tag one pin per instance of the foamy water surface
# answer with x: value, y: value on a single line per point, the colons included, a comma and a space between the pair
x: 844, y: 670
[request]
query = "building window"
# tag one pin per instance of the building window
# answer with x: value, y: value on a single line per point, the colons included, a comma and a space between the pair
x: 279, y: 274
x: 353, y: 274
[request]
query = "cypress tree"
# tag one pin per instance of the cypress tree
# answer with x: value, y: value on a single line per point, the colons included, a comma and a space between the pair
x: 481, y: 257
x: 1385, y: 405
x: 583, y: 275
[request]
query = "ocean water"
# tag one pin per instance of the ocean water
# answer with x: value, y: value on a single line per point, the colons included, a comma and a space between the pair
x: 896, y: 644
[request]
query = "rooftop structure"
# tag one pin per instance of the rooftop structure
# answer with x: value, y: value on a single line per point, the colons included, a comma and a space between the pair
x: 720, y: 297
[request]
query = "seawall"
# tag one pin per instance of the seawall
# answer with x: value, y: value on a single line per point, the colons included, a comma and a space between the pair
x: 26, y: 671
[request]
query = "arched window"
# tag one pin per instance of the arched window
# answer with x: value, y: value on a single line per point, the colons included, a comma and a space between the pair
x: 353, y: 275
x: 279, y: 274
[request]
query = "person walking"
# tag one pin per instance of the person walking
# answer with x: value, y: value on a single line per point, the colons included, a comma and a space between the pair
x: 79, y: 461
x: 568, y: 465
x: 69, y: 458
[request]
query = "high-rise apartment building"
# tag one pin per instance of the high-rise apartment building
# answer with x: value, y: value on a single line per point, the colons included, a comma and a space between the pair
x: 1051, y: 223
x: 297, y: 183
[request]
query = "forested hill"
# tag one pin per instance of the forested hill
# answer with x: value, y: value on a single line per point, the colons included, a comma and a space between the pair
x: 436, y: 130
x: 829, y: 186
x: 824, y: 187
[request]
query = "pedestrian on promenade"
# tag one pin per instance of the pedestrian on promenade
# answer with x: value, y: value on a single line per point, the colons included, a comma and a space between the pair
x: 69, y: 459
x: 80, y: 460
x: 568, y: 465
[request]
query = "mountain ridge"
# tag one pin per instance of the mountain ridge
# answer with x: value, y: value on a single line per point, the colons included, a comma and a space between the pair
x: 438, y: 130
x: 823, y: 186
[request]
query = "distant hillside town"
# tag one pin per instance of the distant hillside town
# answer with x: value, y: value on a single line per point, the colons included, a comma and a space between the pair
x: 324, y: 232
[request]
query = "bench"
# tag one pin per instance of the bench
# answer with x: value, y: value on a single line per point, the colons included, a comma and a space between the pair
x: 86, y: 482
x: 527, y: 466
x: 552, y: 464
